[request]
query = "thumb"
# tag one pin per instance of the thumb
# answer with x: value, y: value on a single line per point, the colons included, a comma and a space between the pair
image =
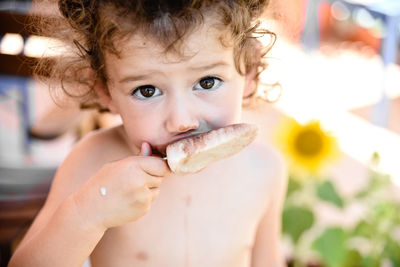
x: 145, y: 149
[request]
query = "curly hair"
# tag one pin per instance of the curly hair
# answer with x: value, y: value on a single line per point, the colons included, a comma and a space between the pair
x: 89, y: 28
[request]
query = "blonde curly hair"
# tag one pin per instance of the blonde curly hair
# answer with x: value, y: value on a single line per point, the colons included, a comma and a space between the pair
x: 89, y: 28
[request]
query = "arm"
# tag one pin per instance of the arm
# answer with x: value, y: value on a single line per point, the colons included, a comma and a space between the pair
x: 266, y: 250
x: 76, y: 215
x: 61, y: 238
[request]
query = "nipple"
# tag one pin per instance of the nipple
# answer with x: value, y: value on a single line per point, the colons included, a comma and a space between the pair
x: 142, y: 256
x: 188, y: 200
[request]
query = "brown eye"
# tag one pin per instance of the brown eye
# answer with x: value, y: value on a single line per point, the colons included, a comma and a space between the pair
x: 146, y: 92
x: 207, y: 83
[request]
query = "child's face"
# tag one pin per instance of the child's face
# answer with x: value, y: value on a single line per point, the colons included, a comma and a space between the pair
x: 162, y: 98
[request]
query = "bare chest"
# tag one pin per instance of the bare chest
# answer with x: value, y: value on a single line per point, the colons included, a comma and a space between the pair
x: 199, y: 220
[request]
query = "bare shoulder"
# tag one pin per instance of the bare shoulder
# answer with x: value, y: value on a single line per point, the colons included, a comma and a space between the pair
x: 266, y: 159
x: 100, y: 147
x: 267, y: 164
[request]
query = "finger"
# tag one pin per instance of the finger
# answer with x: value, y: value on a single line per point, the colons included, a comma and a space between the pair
x: 154, y: 193
x: 153, y: 182
x: 154, y: 166
x: 144, y: 196
x: 145, y: 149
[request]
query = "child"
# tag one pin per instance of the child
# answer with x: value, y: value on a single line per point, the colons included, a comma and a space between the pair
x: 170, y: 69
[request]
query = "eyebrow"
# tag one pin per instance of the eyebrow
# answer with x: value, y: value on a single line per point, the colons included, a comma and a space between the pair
x: 132, y: 78
x: 209, y: 66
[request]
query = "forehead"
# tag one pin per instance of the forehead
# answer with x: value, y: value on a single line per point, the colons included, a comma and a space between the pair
x: 203, y: 43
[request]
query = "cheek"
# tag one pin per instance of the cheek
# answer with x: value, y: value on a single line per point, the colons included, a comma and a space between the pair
x: 139, y: 125
x: 234, y: 98
x: 232, y: 110
x: 228, y: 107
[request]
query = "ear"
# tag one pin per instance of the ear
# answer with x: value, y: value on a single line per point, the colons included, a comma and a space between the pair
x: 104, y: 96
x: 250, y: 82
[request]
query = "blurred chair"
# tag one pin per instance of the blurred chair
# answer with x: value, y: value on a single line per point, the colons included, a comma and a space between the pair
x: 24, y: 185
x: 8, y: 84
x: 16, y: 71
x: 310, y: 36
x: 387, y: 11
x: 23, y: 191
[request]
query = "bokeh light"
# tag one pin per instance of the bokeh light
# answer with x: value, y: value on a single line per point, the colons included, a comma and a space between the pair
x: 11, y: 44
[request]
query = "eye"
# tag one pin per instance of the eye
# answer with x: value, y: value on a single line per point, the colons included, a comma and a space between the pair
x: 208, y: 83
x: 146, y: 92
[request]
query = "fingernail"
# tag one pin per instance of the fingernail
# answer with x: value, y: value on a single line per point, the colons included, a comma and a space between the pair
x: 145, y: 150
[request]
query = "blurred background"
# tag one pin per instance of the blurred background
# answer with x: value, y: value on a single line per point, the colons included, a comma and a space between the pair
x: 333, y: 92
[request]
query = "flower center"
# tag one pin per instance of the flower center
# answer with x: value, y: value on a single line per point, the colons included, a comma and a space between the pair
x: 308, y: 143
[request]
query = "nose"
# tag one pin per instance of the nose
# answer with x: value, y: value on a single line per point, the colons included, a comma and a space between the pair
x: 181, y: 117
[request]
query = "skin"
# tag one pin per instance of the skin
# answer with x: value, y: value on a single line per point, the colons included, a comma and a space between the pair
x: 179, y: 104
x: 226, y: 215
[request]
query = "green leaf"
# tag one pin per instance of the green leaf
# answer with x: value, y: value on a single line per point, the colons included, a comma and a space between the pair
x: 331, y: 245
x: 387, y: 210
x: 376, y: 182
x: 327, y: 192
x: 296, y: 220
x: 392, y: 252
x: 375, y: 159
x: 364, y: 229
x: 353, y: 258
x: 369, y: 261
x: 362, y: 194
x: 293, y: 186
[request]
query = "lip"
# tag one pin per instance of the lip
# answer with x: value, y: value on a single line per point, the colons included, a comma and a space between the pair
x: 161, y: 149
x: 183, y: 135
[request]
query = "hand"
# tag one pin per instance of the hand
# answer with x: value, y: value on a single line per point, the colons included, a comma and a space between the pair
x: 131, y: 185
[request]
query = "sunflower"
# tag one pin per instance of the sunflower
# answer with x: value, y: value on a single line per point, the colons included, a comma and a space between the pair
x: 308, y: 147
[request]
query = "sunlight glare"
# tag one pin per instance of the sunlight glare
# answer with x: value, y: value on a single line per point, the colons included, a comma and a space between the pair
x: 38, y: 46
x: 11, y: 44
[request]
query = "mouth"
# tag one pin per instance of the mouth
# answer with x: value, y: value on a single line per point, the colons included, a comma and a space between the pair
x: 184, y: 135
x: 160, y: 150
